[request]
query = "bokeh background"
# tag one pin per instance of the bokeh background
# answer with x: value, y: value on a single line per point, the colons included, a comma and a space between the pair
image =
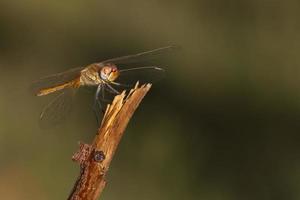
x: 223, y: 124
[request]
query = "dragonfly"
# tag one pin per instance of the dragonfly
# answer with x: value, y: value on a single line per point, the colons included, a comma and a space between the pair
x: 104, y: 75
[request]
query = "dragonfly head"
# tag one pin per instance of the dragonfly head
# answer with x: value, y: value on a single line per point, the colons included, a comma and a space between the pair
x: 109, y: 72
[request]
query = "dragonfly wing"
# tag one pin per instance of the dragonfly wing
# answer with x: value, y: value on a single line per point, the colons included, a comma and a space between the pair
x: 140, y: 56
x: 55, y: 80
x: 57, y: 110
x: 148, y: 74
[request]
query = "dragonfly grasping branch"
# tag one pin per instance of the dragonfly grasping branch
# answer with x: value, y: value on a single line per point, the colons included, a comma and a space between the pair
x: 95, y: 159
x: 104, y: 75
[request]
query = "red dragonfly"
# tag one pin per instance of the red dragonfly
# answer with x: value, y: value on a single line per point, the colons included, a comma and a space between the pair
x: 104, y: 75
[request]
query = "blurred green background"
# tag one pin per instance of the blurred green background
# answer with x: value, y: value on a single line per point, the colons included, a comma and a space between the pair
x: 223, y: 123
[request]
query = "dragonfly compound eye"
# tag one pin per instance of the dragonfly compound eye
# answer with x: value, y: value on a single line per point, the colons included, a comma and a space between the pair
x: 104, y: 73
x: 114, y: 69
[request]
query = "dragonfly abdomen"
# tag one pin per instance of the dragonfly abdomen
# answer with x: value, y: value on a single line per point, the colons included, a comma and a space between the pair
x: 72, y: 84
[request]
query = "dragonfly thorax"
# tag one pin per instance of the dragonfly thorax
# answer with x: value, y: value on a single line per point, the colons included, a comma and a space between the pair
x: 90, y: 75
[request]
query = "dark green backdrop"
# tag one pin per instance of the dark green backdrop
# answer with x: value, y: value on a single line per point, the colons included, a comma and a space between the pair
x: 222, y: 125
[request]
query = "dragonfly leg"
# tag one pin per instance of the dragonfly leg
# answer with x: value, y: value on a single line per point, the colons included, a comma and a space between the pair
x: 113, y: 89
x: 97, y: 103
x: 121, y: 84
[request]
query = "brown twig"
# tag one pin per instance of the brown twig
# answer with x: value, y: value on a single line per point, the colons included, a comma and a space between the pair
x: 95, y: 159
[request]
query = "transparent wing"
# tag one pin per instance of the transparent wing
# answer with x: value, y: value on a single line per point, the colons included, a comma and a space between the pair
x: 140, y: 56
x: 55, y: 79
x: 128, y: 77
x: 57, y: 110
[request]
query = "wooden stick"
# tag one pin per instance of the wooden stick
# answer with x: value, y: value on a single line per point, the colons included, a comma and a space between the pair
x: 95, y: 159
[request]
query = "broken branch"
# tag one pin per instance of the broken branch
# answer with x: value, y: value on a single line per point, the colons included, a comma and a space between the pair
x: 95, y: 159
